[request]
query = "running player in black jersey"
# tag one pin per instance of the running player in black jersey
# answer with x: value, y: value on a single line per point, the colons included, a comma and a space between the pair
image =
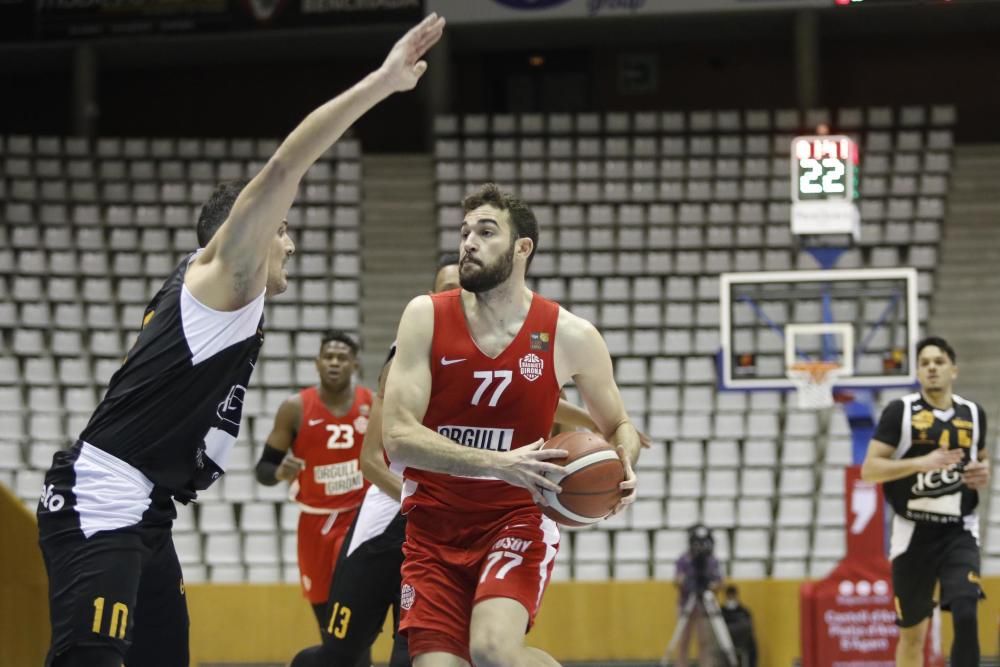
x: 172, y: 412
x: 929, y: 450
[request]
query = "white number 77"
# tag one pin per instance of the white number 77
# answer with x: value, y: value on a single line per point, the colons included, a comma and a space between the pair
x: 494, y: 558
x: 487, y: 378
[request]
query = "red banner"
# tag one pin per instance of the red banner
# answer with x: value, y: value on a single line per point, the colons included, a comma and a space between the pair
x: 849, y: 617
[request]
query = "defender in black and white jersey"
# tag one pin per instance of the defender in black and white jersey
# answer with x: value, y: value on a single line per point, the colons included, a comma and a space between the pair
x: 929, y: 451
x: 171, y: 413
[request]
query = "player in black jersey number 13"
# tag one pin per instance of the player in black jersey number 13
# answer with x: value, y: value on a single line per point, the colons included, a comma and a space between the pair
x: 929, y: 451
x: 172, y: 412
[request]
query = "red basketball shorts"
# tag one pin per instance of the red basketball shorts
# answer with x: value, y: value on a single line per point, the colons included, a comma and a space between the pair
x: 320, y: 539
x: 454, y: 560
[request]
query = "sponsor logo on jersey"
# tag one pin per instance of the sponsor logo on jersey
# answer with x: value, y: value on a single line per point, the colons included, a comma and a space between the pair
x: 515, y: 544
x: 365, y: 409
x: 148, y: 316
x: 361, y: 424
x: 923, y: 420
x: 937, y: 482
x: 231, y: 409
x: 338, y: 478
x: 406, y: 596
x: 480, y: 437
x: 974, y: 578
x: 531, y: 367
x: 539, y: 340
x: 50, y: 500
x: 313, y: 422
x: 448, y: 362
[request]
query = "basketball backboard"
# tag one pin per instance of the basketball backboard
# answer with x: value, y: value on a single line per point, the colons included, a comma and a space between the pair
x: 865, y: 320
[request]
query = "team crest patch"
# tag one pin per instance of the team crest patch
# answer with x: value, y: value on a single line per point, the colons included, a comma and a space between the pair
x: 923, y: 420
x: 539, y: 340
x: 531, y: 367
x: 406, y: 596
x: 361, y: 424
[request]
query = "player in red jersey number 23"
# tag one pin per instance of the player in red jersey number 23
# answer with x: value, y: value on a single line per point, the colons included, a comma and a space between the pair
x: 469, y: 400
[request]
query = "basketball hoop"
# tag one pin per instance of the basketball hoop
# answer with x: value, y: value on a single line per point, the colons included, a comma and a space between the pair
x: 814, y: 382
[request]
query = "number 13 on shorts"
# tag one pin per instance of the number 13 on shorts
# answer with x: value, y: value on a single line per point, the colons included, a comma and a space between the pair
x: 500, y: 563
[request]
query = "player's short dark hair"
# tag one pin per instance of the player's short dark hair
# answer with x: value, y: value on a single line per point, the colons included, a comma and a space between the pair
x: 215, y: 211
x: 447, y: 259
x: 521, y: 216
x: 939, y: 343
x: 339, y: 336
x: 731, y: 590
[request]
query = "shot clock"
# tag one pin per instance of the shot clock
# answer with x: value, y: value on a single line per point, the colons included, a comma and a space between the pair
x: 824, y: 184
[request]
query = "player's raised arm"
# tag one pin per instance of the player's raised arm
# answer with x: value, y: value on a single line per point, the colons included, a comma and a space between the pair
x: 232, y: 271
x: 412, y: 444
x: 582, y: 355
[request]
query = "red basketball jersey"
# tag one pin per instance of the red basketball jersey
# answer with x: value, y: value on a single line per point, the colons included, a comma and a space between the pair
x: 497, y: 404
x: 331, y: 447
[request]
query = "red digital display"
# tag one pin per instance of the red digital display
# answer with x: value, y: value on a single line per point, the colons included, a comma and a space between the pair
x: 817, y: 148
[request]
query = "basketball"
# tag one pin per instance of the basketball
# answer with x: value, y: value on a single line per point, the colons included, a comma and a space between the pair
x: 590, y: 486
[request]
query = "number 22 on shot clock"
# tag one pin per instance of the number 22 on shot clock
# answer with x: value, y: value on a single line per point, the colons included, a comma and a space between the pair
x: 824, y: 168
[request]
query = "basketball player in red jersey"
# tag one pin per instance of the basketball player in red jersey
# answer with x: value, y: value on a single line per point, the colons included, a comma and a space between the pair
x: 316, y: 444
x: 469, y: 399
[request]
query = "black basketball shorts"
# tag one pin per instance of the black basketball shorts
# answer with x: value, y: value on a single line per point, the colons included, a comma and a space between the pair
x: 114, y: 576
x: 951, y: 557
x: 365, y: 585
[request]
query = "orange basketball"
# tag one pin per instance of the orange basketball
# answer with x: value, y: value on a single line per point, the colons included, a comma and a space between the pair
x: 590, y: 486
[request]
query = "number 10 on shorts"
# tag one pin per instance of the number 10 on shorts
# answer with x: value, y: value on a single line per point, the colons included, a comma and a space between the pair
x: 513, y: 560
x: 118, y: 621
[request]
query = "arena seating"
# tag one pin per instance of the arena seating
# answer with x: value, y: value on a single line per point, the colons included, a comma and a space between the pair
x: 639, y: 213
x: 90, y: 230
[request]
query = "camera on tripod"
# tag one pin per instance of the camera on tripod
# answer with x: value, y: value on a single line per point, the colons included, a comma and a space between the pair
x: 697, y: 573
x: 701, y: 546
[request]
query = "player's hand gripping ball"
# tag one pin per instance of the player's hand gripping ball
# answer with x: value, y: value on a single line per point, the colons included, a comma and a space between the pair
x: 590, y: 485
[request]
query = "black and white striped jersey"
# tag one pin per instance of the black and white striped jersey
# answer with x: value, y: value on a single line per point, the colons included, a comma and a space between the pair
x: 173, y: 409
x: 915, y: 428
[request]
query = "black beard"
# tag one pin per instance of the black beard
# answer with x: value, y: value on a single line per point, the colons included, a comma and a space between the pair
x: 488, y: 277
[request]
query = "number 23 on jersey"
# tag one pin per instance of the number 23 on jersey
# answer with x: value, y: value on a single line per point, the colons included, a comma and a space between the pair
x: 341, y: 436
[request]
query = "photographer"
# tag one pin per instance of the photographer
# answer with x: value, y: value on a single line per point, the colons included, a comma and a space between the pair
x: 739, y: 622
x: 697, y: 571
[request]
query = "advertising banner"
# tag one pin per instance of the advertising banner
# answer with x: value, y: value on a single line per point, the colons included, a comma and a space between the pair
x: 98, y: 18
x: 849, y: 617
x: 485, y: 11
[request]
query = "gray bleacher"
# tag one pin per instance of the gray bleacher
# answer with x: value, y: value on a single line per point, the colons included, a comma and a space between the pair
x: 639, y: 213
x: 89, y: 231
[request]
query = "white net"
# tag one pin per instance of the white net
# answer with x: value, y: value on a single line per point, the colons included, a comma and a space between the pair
x: 814, y: 383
